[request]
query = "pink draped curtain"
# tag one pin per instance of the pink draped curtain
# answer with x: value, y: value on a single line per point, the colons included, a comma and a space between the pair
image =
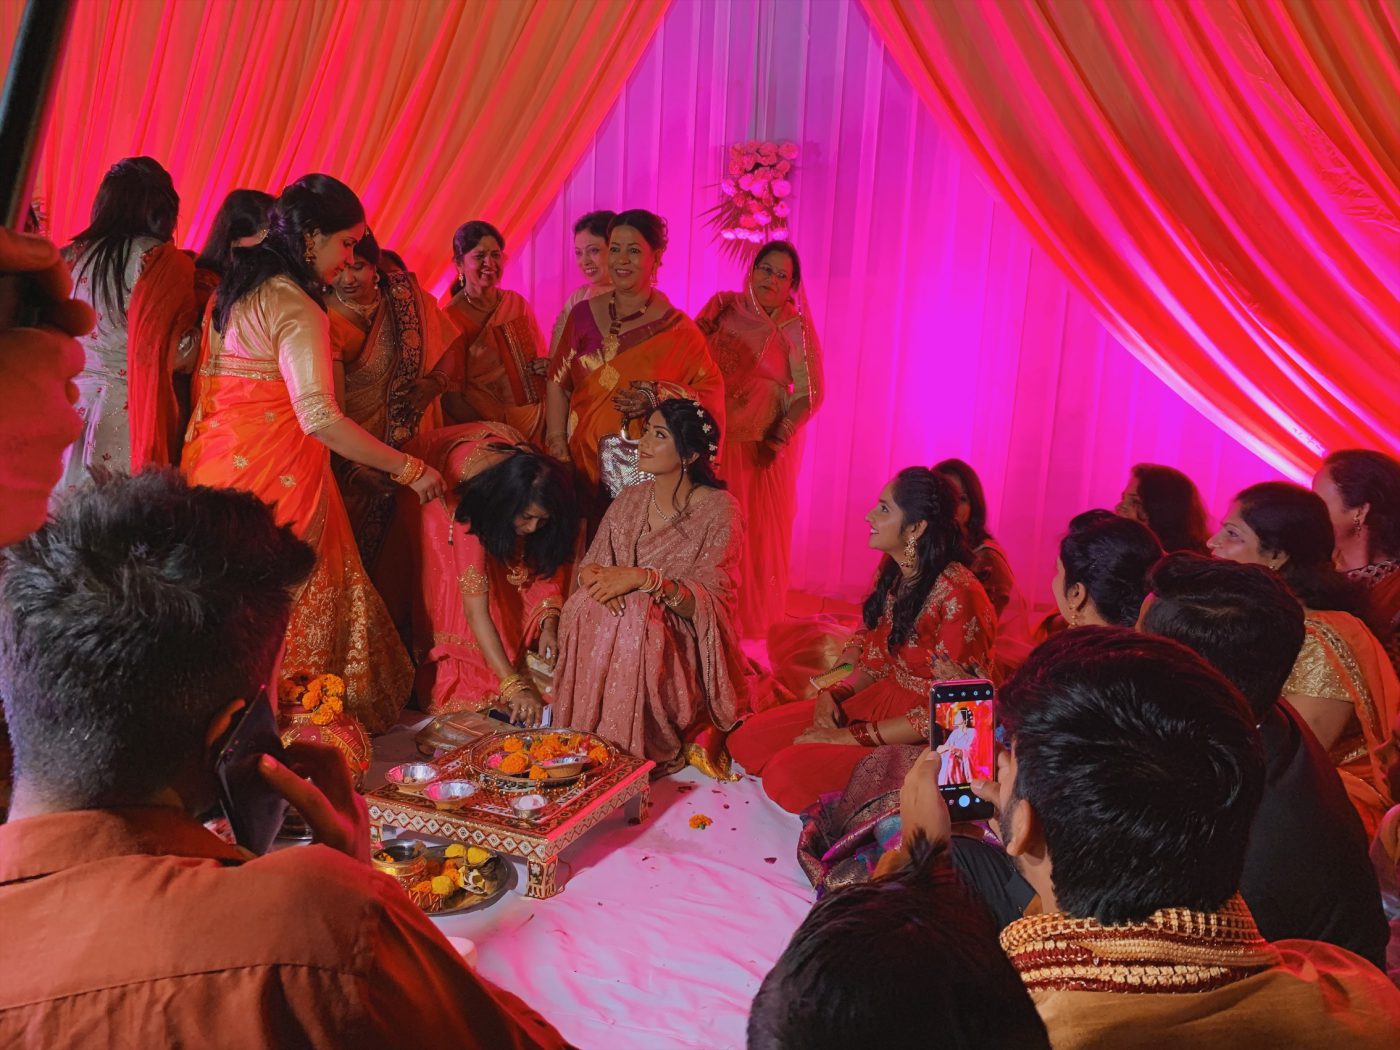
x: 948, y: 331
x: 1220, y: 178
x: 434, y: 111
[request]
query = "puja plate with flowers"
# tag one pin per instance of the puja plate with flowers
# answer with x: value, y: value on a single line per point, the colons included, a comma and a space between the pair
x: 445, y: 880
x: 535, y: 759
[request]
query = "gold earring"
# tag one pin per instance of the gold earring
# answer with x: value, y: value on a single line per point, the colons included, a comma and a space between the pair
x: 909, y: 560
x: 1356, y: 524
x: 310, y: 254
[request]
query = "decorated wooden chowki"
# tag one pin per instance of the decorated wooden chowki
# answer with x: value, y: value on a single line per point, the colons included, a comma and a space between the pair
x: 532, y: 807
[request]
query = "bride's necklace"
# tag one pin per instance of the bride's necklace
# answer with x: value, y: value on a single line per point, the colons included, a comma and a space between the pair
x: 668, y: 518
x: 365, y: 313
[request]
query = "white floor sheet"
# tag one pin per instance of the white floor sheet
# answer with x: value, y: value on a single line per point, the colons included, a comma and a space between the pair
x: 663, y: 932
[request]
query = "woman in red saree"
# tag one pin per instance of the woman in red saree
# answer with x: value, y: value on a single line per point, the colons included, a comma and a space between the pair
x: 1342, y: 683
x: 927, y: 620
x: 769, y: 356
x: 387, y: 338
x: 142, y: 289
x: 497, y: 367
x: 474, y: 577
x: 621, y: 352
x: 591, y: 257
x: 648, y: 655
x: 267, y: 421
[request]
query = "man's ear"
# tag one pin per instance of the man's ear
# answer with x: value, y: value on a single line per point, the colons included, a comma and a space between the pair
x: 1028, y: 837
x: 219, y: 724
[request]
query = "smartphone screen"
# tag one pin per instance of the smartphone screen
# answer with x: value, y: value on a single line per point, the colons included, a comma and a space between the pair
x: 255, y: 811
x: 962, y: 730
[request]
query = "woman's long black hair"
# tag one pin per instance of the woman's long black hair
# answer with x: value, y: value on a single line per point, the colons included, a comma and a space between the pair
x: 489, y: 503
x: 1110, y: 556
x: 312, y: 204
x: 924, y: 495
x: 243, y: 214
x: 137, y: 198
x: 977, y: 533
x: 1292, y: 520
x: 1364, y: 476
x: 1173, y: 507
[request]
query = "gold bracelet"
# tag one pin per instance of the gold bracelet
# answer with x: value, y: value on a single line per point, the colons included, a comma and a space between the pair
x: 412, y: 469
x: 511, y: 684
x: 676, y: 598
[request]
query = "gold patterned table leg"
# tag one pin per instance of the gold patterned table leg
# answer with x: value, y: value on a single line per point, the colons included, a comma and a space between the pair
x: 541, y: 881
x: 640, y: 806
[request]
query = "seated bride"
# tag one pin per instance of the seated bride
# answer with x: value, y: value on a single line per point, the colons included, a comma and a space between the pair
x: 483, y: 587
x: 648, y: 656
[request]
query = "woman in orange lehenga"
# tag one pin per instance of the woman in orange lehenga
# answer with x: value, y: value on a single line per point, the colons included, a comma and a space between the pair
x: 483, y: 589
x: 771, y: 362
x: 267, y: 420
x: 927, y: 620
x: 387, y: 336
x: 621, y: 352
x: 1342, y: 684
x: 497, y: 367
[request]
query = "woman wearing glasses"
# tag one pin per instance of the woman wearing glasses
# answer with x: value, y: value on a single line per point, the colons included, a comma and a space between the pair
x: 495, y: 372
x: 771, y: 361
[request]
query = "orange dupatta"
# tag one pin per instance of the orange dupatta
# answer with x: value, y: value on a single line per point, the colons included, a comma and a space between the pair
x: 160, y: 314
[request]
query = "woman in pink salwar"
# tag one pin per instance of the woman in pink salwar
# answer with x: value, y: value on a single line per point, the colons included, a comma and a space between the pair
x: 476, y: 574
x: 648, y: 653
x: 768, y: 353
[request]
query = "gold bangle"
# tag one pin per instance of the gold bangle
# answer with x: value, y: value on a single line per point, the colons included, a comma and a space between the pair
x: 412, y: 469
x: 511, y: 684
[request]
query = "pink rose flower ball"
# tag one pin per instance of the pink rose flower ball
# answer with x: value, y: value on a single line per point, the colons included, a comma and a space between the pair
x: 788, y: 150
x: 782, y: 188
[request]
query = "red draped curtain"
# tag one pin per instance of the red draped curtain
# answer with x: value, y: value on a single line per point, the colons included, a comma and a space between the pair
x: 1220, y: 177
x: 435, y: 111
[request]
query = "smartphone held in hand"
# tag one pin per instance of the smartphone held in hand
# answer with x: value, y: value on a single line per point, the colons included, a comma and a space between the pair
x: 255, y: 810
x: 962, y: 729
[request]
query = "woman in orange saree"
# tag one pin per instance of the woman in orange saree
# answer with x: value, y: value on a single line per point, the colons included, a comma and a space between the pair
x: 620, y: 353
x: 497, y: 366
x: 648, y: 656
x: 267, y: 421
x: 474, y: 577
x: 1342, y: 684
x: 769, y: 356
x: 142, y: 290
x: 387, y: 338
x: 927, y: 620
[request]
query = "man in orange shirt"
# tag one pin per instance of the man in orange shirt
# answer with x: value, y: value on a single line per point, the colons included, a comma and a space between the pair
x: 133, y: 628
x: 1126, y: 800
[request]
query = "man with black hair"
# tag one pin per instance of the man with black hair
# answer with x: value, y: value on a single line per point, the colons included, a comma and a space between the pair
x: 134, y: 627
x: 907, y: 962
x: 1306, y: 869
x: 1126, y: 799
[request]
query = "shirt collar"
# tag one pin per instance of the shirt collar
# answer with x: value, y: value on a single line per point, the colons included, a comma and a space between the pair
x: 38, y: 846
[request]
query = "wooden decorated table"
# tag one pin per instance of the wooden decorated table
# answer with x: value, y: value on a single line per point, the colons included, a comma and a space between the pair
x: 489, y: 820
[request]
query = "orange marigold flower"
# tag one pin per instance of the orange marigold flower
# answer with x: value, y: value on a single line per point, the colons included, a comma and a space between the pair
x: 513, y: 744
x: 700, y: 822
x: 322, y: 716
x: 537, y: 773
x: 598, y: 754
x: 332, y: 685
x: 513, y: 765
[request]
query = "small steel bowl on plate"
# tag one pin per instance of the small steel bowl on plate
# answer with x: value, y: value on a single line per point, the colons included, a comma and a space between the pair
x: 528, y: 807
x: 412, y: 777
x: 450, y: 794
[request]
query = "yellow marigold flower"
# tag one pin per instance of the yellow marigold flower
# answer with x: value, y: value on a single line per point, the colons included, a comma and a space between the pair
x: 456, y: 850
x: 332, y: 685
x: 700, y: 822
x: 444, y: 885
x: 334, y: 703
x: 514, y: 743
x: 476, y: 856
x: 322, y: 716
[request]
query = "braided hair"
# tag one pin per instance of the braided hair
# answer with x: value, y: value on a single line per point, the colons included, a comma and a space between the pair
x: 921, y: 495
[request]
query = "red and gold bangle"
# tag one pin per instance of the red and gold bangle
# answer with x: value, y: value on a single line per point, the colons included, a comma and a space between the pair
x: 861, y: 732
x: 841, y: 692
x: 410, y: 472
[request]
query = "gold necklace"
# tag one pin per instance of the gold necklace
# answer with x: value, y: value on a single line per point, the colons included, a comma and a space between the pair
x: 366, y: 313
x: 480, y: 304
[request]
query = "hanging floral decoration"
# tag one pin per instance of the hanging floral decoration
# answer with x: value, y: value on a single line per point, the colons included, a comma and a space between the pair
x: 755, y: 195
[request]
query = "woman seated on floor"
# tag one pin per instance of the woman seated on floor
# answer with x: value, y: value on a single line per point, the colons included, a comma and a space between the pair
x: 480, y: 588
x: 927, y: 619
x: 648, y: 654
x: 1101, y: 573
x: 1342, y: 685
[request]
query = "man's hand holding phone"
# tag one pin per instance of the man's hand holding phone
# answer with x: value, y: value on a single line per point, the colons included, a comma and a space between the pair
x: 922, y: 806
x: 327, y: 799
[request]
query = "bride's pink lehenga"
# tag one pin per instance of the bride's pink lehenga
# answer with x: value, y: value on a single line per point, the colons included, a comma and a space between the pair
x: 649, y: 680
